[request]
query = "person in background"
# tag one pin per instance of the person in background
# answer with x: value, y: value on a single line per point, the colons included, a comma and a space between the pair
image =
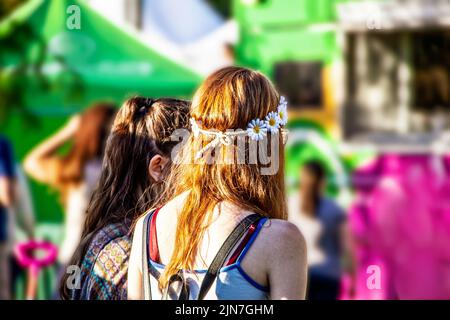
x: 323, y: 225
x: 22, y: 223
x: 137, y: 158
x: 7, y: 182
x: 22, y: 227
x: 75, y: 174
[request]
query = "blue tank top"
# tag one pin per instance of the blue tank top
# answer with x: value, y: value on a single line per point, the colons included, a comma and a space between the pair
x: 232, y: 282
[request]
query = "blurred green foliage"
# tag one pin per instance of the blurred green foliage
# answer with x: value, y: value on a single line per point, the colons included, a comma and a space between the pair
x: 12, y: 79
x: 22, y: 68
x: 8, y: 6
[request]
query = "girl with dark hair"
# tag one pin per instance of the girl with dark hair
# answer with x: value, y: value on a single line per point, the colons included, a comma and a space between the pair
x: 137, y: 157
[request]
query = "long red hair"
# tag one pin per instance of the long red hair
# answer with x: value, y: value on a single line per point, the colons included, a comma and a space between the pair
x: 228, y: 99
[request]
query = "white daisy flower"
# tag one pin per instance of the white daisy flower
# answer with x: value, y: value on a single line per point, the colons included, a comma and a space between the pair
x: 272, y: 122
x: 256, y: 129
x: 282, y: 111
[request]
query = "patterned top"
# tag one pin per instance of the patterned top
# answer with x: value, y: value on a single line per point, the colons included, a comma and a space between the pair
x: 105, y: 265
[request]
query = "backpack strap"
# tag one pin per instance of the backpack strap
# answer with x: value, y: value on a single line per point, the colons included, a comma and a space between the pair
x: 185, y: 290
x: 147, y: 268
x: 224, y: 252
x: 145, y: 254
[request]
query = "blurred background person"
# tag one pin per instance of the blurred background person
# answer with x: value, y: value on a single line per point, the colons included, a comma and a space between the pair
x: 322, y: 223
x: 22, y: 223
x: 7, y: 178
x: 75, y: 174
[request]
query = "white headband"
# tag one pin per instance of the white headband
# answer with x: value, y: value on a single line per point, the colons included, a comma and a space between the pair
x: 256, y: 129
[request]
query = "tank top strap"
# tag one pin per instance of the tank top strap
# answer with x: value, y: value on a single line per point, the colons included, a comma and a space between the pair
x: 246, y: 242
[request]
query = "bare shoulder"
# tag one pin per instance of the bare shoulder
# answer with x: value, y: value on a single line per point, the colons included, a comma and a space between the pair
x: 168, y: 213
x: 283, y: 235
x: 174, y: 205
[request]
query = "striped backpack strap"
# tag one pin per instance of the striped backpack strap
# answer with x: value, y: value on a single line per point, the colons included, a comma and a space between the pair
x: 146, y: 266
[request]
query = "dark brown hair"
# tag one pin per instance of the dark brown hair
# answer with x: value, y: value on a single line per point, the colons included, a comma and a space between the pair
x: 141, y: 130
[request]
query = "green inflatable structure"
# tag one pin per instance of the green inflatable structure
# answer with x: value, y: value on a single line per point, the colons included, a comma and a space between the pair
x: 99, y: 61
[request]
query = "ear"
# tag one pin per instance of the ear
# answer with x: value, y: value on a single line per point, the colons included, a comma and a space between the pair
x: 156, y: 167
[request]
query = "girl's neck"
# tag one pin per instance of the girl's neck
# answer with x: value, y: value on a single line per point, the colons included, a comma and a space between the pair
x: 222, y: 208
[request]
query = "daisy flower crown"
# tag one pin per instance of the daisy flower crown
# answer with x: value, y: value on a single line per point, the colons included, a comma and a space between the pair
x: 256, y: 129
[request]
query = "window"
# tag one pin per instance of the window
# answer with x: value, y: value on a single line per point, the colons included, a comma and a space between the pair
x: 301, y: 83
x: 398, y: 85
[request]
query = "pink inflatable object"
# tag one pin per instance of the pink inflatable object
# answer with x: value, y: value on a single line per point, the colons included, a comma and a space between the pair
x: 24, y: 255
x: 400, y: 221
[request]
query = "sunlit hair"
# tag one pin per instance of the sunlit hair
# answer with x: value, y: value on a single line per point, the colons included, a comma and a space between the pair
x: 228, y: 99
x: 141, y: 130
